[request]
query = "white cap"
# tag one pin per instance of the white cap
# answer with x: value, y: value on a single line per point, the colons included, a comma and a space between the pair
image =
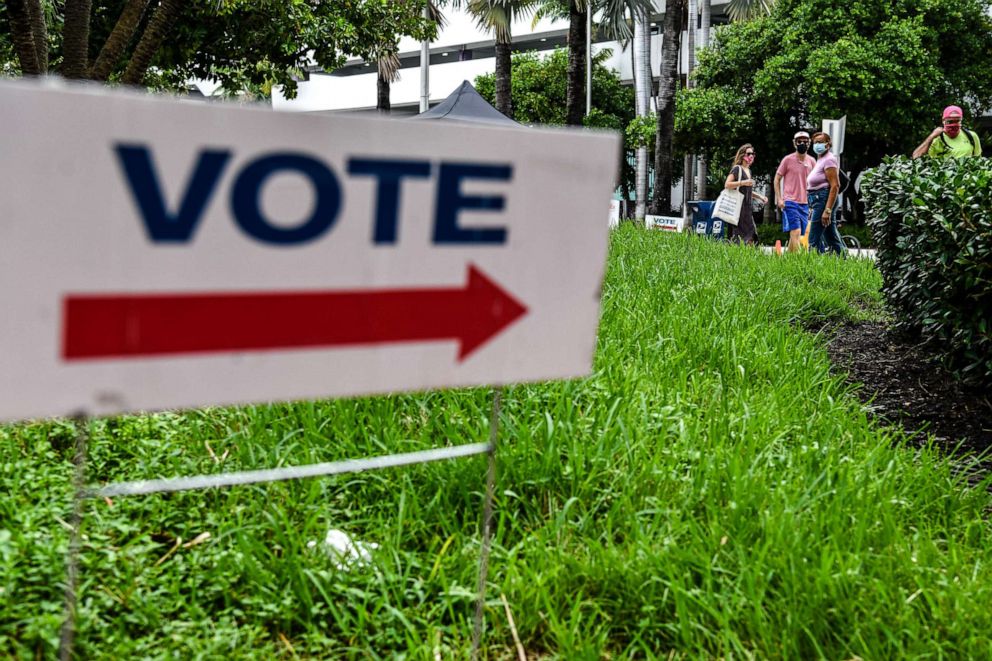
x: 800, y: 134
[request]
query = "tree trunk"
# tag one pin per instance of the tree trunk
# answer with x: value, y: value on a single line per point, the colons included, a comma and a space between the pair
x: 688, y: 185
x: 382, y: 94
x: 151, y: 41
x: 118, y: 40
x: 76, y: 39
x: 642, y: 91
x: 625, y: 181
x: 39, y: 32
x: 701, y: 177
x: 691, y: 42
x: 671, y: 46
x: 504, y: 97
x: 646, y: 62
x: 704, y: 23
x: 641, y: 207
x: 23, y: 36
x: 575, y: 85
x: 704, y: 42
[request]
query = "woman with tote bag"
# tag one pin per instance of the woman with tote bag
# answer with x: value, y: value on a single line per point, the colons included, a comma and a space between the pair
x: 740, y: 180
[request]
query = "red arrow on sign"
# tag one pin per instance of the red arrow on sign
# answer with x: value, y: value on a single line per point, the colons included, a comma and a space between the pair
x: 137, y: 325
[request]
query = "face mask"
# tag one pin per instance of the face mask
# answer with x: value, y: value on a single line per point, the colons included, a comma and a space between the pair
x: 802, y: 147
x: 819, y: 148
x: 952, y: 130
x: 748, y: 160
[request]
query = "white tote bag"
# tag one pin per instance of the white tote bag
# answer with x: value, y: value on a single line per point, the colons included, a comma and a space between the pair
x: 728, y: 206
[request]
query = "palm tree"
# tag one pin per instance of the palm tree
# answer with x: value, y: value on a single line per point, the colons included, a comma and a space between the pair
x: 688, y: 185
x: 743, y: 10
x: 738, y: 10
x: 642, y: 94
x: 704, y: 41
x: 388, y: 70
x: 497, y: 16
x: 746, y: 10
x: 613, y: 22
x: 577, y: 13
x: 671, y: 45
x: 575, y: 85
x: 29, y: 35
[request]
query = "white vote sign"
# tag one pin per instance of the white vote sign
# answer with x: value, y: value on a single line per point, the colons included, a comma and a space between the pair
x: 836, y: 129
x: 665, y: 223
x: 163, y: 254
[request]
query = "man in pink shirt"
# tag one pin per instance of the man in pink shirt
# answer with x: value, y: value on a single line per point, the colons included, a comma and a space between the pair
x: 790, y: 189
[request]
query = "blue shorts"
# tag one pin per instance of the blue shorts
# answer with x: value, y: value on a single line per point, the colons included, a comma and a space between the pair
x: 795, y: 216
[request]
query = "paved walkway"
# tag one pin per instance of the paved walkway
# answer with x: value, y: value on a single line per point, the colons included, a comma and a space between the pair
x: 863, y: 253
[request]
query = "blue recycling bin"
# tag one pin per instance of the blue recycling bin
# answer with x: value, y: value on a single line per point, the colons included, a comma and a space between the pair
x: 703, y: 222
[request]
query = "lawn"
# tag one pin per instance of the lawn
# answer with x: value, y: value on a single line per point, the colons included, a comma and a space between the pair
x: 711, y: 490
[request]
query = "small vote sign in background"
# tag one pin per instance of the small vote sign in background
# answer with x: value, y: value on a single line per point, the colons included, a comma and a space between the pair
x: 163, y: 254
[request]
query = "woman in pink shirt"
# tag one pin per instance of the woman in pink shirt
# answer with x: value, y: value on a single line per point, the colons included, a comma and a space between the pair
x: 822, y: 186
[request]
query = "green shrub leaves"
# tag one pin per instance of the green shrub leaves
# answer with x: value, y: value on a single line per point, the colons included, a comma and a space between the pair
x: 932, y: 225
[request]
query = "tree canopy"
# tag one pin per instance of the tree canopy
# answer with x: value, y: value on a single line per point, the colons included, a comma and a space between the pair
x: 889, y: 65
x: 242, y: 44
x: 539, y: 89
x: 539, y: 86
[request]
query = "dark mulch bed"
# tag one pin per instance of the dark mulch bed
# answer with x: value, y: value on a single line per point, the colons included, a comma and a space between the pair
x: 905, y: 384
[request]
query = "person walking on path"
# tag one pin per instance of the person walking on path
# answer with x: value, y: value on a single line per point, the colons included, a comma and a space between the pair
x: 822, y: 187
x: 790, y: 189
x: 950, y: 140
x: 740, y: 180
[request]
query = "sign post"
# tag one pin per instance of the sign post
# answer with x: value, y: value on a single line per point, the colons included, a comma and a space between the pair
x: 836, y: 128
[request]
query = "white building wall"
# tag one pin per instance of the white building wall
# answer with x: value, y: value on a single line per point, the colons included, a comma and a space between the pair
x: 324, y: 92
x: 358, y: 92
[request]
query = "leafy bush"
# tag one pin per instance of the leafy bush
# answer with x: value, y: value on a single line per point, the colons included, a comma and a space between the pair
x: 932, y: 224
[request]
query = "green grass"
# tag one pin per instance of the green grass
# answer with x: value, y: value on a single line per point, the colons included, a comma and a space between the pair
x: 709, y: 491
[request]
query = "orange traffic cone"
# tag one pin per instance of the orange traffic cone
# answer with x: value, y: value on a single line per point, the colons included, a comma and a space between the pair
x: 778, y: 246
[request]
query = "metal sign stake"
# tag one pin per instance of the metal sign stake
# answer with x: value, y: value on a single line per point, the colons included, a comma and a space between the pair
x: 487, y: 521
x: 67, y: 634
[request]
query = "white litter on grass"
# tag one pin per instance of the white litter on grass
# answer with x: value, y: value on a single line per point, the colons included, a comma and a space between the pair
x: 345, y: 552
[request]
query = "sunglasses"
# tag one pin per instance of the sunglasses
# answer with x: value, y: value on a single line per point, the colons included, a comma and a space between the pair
x: 749, y: 153
x: 952, y: 121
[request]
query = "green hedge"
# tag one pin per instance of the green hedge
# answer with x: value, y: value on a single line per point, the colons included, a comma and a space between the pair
x: 932, y: 225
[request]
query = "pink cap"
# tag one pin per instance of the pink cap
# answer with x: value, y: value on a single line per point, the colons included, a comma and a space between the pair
x: 952, y: 111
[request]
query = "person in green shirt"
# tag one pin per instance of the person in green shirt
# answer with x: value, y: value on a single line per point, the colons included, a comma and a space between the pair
x: 950, y: 140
